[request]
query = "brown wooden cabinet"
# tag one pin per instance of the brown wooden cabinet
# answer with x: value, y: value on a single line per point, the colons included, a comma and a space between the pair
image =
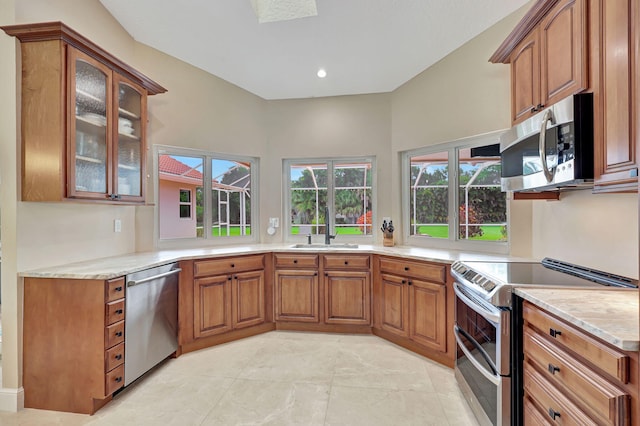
x: 84, y: 117
x: 413, y: 302
x: 228, y: 294
x: 616, y: 86
x: 73, y: 334
x: 296, y: 288
x: 347, y: 289
x: 572, y: 377
x: 548, y: 54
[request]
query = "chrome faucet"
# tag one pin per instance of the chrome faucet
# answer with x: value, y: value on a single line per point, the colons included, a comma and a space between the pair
x: 327, y: 225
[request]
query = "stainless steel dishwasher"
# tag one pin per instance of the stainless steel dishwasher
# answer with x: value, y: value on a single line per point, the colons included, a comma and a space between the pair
x: 151, y: 321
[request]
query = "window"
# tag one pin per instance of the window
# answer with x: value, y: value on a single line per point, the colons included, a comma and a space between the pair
x: 204, y: 195
x: 185, y: 204
x: 455, y: 208
x: 343, y: 186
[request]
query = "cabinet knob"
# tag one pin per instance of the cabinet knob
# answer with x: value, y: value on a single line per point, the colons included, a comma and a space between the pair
x: 118, y: 333
x: 404, y: 281
x: 119, y: 311
x: 406, y: 268
x: 235, y: 277
x: 295, y: 260
x: 553, y: 413
x: 118, y: 288
x: 118, y: 379
x: 346, y: 262
x: 326, y: 274
x: 554, y: 333
x: 229, y: 278
x: 233, y: 265
x: 553, y: 369
x: 118, y: 357
x: 315, y: 274
x: 409, y: 282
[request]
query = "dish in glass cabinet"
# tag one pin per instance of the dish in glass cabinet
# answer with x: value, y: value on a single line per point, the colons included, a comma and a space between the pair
x: 98, y: 120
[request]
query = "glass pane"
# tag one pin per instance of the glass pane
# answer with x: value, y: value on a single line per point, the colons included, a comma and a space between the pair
x: 482, y: 207
x: 129, y: 141
x: 178, y: 174
x: 308, y: 198
x: 91, y: 135
x: 185, y: 210
x: 231, y: 198
x: 429, y: 195
x: 352, y: 199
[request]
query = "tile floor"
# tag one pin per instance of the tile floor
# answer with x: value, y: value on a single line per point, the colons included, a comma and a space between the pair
x: 283, y: 378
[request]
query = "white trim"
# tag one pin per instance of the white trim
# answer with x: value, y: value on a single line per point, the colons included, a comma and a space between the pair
x: 11, y: 399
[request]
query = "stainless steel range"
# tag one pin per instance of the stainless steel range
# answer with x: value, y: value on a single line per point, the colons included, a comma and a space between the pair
x: 488, y: 327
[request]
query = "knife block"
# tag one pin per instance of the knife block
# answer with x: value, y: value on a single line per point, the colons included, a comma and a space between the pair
x: 387, y: 240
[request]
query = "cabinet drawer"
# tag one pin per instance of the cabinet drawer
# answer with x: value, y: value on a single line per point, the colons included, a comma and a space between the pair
x: 557, y: 406
x: 335, y: 261
x: 598, y: 394
x: 533, y: 416
x: 114, y: 380
x: 228, y: 265
x: 425, y: 271
x: 296, y: 260
x: 115, y: 289
x: 114, y: 357
x: 114, y: 334
x: 115, y: 312
x: 604, y: 357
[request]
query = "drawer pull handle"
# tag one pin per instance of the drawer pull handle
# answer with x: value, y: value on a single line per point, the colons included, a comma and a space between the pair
x: 315, y: 274
x: 118, y: 333
x: 346, y: 262
x: 554, y: 333
x: 119, y: 311
x: 119, y: 288
x: 404, y: 281
x: 553, y: 369
x: 295, y: 260
x: 118, y: 379
x: 229, y: 278
x: 118, y: 357
x: 409, y: 282
x: 233, y: 265
x: 406, y: 268
x: 553, y: 414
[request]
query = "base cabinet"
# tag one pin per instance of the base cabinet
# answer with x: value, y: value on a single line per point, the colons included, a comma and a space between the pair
x: 297, y: 295
x: 73, y: 356
x: 347, y: 290
x: 572, y: 378
x: 228, y: 294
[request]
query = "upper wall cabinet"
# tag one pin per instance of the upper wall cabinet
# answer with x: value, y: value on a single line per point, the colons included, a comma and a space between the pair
x: 547, y: 53
x: 84, y: 117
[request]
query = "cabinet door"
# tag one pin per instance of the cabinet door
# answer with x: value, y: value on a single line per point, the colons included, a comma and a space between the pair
x: 347, y: 297
x: 130, y: 150
x: 212, y: 306
x: 394, y: 315
x: 90, y: 86
x: 297, y: 296
x: 248, y: 299
x: 525, y: 78
x: 563, y: 58
x: 616, y: 106
x: 428, y: 316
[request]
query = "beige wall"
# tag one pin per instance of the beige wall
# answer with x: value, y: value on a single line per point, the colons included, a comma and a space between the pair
x: 326, y: 127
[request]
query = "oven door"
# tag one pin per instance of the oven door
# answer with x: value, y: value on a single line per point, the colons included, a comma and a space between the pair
x: 482, y: 358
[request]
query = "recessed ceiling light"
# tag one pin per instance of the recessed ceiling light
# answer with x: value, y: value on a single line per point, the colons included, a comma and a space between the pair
x: 322, y: 73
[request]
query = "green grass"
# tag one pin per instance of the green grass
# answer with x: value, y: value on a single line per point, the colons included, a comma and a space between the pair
x: 489, y: 233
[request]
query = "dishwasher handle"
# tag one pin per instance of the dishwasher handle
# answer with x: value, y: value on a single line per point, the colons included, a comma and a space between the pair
x: 155, y: 277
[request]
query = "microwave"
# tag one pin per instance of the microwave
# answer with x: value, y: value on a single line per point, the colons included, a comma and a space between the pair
x: 552, y: 150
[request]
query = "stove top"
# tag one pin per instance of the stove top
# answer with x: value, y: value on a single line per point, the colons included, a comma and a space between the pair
x: 494, y: 281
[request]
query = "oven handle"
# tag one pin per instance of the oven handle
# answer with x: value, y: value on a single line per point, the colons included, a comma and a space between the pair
x: 493, y: 378
x: 492, y: 316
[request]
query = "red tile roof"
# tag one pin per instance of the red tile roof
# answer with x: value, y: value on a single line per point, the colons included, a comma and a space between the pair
x: 170, y: 165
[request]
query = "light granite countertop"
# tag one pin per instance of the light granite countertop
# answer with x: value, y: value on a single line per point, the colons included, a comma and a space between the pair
x: 611, y: 315
x: 111, y: 267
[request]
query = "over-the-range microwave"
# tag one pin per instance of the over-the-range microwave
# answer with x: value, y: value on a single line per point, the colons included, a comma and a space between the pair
x: 551, y: 150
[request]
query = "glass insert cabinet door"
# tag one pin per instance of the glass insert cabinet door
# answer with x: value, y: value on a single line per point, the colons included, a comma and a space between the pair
x: 128, y: 170
x: 90, y: 86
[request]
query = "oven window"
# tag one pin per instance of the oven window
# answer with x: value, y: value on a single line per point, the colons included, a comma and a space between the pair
x: 478, y: 336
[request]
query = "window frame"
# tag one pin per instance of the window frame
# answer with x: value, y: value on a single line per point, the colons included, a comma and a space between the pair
x: 207, y: 156
x: 186, y: 203
x: 453, y: 242
x: 330, y: 161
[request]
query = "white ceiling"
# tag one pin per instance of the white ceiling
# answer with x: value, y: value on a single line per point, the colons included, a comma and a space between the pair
x: 366, y: 46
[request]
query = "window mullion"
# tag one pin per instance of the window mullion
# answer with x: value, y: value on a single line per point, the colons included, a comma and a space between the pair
x: 331, y: 197
x: 453, y: 194
x: 207, y: 222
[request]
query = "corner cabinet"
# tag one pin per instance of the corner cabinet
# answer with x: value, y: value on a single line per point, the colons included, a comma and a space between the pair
x: 84, y: 119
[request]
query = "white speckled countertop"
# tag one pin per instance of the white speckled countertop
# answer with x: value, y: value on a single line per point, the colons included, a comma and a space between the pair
x: 611, y: 315
x: 111, y: 267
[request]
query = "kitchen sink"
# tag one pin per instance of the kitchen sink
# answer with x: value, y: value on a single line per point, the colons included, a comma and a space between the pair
x: 318, y: 246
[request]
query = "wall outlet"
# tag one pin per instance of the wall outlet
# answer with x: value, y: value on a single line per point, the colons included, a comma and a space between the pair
x: 274, y: 222
x: 117, y: 225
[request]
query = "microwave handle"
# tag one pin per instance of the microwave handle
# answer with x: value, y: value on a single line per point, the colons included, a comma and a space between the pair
x: 548, y: 174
